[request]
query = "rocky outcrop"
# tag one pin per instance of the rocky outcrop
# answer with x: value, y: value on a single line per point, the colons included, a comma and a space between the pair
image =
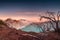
x: 7, y: 33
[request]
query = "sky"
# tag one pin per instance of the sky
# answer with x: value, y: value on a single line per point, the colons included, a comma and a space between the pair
x: 28, y: 9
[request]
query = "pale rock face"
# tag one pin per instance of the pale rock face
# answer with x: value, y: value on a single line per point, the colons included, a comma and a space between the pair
x: 17, y: 24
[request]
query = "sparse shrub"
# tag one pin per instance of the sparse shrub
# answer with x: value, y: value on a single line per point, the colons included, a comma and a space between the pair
x: 53, y: 17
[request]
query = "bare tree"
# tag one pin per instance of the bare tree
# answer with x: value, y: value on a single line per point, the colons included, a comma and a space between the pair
x: 52, y: 17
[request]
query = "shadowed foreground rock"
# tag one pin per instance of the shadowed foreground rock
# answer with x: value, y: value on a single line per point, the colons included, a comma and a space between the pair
x: 7, y: 33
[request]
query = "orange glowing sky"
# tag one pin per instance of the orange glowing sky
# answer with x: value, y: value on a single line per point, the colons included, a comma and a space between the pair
x: 29, y: 10
x: 30, y: 16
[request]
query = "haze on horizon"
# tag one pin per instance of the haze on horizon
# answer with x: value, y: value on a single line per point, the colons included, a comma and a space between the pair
x: 29, y: 9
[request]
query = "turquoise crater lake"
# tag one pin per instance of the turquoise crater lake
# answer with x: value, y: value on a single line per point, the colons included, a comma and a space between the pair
x: 32, y: 28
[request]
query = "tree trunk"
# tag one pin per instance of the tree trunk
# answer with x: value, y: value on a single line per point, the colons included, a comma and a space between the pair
x: 57, y: 27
